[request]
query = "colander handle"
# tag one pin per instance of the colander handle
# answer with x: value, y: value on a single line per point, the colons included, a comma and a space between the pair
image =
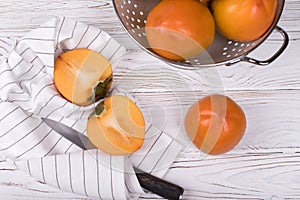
x: 275, y: 56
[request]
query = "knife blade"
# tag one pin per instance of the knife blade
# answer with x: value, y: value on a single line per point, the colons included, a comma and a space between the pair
x: 149, y: 182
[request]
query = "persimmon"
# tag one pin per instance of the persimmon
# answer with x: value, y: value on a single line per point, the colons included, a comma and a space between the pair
x: 117, y: 126
x: 243, y: 20
x: 179, y: 29
x: 82, y: 76
x: 215, y: 124
x: 206, y: 2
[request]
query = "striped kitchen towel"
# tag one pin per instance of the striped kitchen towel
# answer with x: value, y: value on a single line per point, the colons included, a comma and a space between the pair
x: 28, y: 94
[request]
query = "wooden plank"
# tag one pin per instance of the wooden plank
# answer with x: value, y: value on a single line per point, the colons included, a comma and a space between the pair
x: 238, y: 176
x: 284, y: 73
x: 252, y: 175
x: 273, y: 118
x: 99, y: 13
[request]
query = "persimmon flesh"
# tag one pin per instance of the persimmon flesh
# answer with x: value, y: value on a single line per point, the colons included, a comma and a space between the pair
x: 215, y: 124
x: 117, y: 127
x: 243, y: 20
x: 180, y: 29
x: 82, y: 76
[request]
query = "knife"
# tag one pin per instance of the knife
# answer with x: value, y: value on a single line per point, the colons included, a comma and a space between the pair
x: 149, y: 182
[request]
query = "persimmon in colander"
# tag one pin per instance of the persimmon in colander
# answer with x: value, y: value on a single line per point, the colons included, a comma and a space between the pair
x: 243, y: 20
x: 206, y: 2
x: 117, y: 126
x: 180, y: 29
x: 82, y: 76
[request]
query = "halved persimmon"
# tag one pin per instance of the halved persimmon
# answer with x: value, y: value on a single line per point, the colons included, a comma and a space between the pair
x: 82, y: 76
x: 117, y: 126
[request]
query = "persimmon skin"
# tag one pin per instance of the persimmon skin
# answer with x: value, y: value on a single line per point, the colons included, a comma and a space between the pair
x: 243, y: 20
x: 180, y: 29
x: 215, y: 124
x: 206, y: 2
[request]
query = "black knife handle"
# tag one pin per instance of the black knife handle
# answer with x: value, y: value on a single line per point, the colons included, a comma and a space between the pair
x: 160, y: 187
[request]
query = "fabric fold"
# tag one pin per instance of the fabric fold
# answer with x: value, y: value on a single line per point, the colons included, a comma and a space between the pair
x: 28, y: 94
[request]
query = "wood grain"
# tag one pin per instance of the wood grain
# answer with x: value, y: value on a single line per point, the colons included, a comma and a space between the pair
x: 239, y: 176
x: 265, y: 165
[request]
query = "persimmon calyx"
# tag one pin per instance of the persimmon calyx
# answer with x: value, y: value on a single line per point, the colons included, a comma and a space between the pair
x: 100, y: 89
x: 99, y: 110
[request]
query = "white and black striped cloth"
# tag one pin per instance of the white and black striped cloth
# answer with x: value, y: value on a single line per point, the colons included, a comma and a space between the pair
x: 27, y: 94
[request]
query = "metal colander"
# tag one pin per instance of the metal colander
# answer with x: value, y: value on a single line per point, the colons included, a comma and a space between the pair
x: 133, y: 15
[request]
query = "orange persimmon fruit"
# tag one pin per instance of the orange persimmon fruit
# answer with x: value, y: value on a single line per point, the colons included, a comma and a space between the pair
x: 215, y: 124
x: 206, y: 2
x: 243, y: 20
x: 179, y: 29
x: 117, y: 126
x: 82, y: 76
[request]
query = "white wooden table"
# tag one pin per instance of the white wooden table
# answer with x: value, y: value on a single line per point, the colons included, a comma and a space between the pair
x: 266, y: 163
